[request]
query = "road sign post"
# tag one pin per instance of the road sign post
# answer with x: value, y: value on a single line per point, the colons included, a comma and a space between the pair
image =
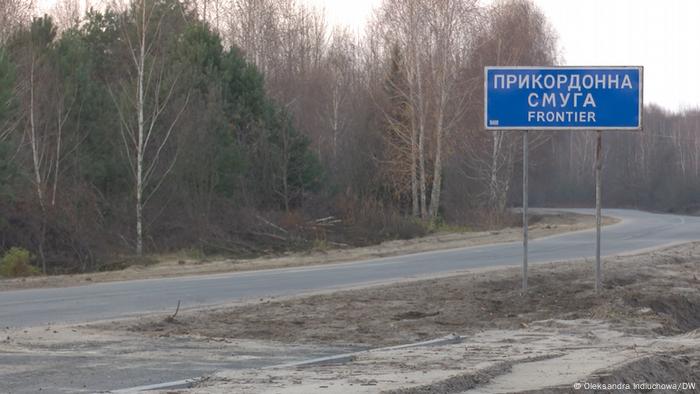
x: 526, y: 149
x: 563, y: 98
x: 598, y: 203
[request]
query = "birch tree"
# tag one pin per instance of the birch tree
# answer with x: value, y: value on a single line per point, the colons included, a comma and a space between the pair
x: 66, y: 13
x: 14, y: 13
x: 398, y: 163
x: 434, y: 36
x: 45, y: 104
x: 452, y: 24
x: 402, y: 25
x: 253, y: 26
x: 145, y: 131
x: 514, y: 33
x: 335, y: 101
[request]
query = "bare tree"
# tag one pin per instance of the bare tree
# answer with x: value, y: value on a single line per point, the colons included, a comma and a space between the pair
x: 67, y: 13
x: 337, y: 82
x: 45, y: 106
x: 452, y: 25
x: 253, y: 26
x: 402, y: 24
x: 514, y: 33
x: 144, y: 100
x: 398, y: 162
x: 14, y: 13
x: 434, y: 36
x: 212, y: 12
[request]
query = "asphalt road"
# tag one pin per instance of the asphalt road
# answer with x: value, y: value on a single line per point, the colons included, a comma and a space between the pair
x: 92, y: 364
x: 127, y: 361
x: 636, y: 232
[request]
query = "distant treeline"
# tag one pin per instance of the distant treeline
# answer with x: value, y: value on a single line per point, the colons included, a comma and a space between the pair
x: 656, y: 169
x: 246, y: 127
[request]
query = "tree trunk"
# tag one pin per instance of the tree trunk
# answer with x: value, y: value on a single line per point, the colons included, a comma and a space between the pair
x: 34, y: 139
x: 421, y: 170
x: 36, y: 161
x: 140, y: 141
x: 58, y: 153
x: 437, y: 178
x: 493, y: 181
x: 414, y: 170
x: 421, y: 138
x: 437, y: 166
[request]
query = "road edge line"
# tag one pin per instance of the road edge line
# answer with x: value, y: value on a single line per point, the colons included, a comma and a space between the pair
x: 328, y: 360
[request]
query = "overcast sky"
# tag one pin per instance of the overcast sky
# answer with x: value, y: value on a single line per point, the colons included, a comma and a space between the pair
x: 661, y: 35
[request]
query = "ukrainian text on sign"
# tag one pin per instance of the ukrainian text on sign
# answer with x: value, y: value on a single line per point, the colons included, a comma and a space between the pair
x: 563, y: 98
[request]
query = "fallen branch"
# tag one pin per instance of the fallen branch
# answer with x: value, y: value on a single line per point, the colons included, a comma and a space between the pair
x: 273, y: 236
x: 171, y: 319
x: 262, y: 219
x: 328, y: 220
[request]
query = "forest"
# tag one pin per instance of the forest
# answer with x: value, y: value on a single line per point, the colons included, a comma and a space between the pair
x: 245, y: 127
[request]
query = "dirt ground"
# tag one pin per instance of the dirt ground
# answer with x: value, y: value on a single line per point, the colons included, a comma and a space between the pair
x: 661, y: 287
x: 644, y: 327
x: 170, y: 266
x: 548, y: 357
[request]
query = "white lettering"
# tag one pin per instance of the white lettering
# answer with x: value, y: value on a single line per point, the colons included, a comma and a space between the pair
x: 532, y: 99
x: 589, y: 101
x: 549, y: 98
x: 576, y: 97
x: 600, y: 81
x: 524, y: 82
x: 616, y: 81
x: 564, y: 99
x: 549, y: 81
x: 536, y: 83
x: 575, y: 83
x: 561, y: 116
x: 626, y: 82
x: 499, y: 78
x: 587, y: 81
x: 561, y: 80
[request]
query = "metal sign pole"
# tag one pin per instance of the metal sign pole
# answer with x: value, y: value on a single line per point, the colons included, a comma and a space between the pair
x: 525, y: 204
x: 540, y: 98
x: 598, y: 166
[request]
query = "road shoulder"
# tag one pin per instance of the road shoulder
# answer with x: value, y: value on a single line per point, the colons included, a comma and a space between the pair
x: 546, y: 225
x: 648, y: 315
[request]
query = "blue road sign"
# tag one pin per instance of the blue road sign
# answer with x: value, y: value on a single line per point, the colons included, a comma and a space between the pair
x: 563, y: 98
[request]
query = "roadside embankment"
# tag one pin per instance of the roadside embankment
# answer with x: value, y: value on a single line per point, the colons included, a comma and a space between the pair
x: 174, y: 266
x: 644, y: 327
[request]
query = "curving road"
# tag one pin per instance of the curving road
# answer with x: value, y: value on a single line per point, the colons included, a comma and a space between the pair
x: 636, y: 232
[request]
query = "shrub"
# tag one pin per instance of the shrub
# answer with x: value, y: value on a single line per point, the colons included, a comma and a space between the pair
x: 17, y: 263
x: 126, y: 262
